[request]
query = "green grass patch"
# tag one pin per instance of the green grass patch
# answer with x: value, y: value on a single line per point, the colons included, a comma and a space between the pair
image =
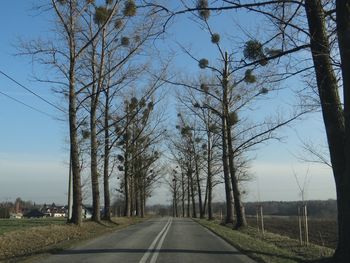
x: 7, y: 225
x: 268, y: 247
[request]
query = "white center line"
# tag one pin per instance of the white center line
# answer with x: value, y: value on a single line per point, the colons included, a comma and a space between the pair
x: 149, y: 250
x: 156, y: 253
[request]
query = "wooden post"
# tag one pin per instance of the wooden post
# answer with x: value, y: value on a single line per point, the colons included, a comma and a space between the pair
x: 262, y: 220
x: 306, y: 227
x: 257, y: 219
x: 300, y: 226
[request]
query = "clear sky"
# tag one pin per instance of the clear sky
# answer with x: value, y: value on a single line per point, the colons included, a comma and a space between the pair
x: 33, y: 147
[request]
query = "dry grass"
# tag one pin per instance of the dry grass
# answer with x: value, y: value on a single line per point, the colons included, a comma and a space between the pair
x: 272, y: 248
x: 7, y: 225
x: 48, y: 238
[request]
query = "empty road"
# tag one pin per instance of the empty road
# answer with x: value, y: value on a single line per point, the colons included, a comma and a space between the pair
x: 161, y: 240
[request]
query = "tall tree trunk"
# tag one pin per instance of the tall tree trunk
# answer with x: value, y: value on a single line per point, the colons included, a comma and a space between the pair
x: 107, y: 200
x: 183, y: 193
x: 137, y: 195
x: 175, y: 212
x: 210, y: 192
x: 127, y: 205
x: 200, y: 203
x: 237, y: 200
x: 188, y: 192
x: 209, y: 172
x: 74, y: 148
x: 194, y: 212
x: 333, y: 115
x: 343, y: 183
x: 94, y: 173
x: 144, y: 203
x: 132, y: 193
x: 96, y: 91
x: 205, y: 199
x: 210, y: 198
x: 73, y: 127
x: 142, y: 196
x: 228, y: 190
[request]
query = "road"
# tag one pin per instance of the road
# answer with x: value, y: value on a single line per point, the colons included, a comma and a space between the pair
x: 161, y: 240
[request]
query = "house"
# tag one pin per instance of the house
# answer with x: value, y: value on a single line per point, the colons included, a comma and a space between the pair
x: 16, y: 215
x: 35, y: 213
x: 54, y: 210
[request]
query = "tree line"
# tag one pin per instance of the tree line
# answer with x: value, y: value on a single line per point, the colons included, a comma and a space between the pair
x: 93, y: 60
x: 112, y: 97
x: 305, y: 38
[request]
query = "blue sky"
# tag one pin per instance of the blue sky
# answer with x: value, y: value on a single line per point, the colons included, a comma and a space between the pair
x: 33, y: 147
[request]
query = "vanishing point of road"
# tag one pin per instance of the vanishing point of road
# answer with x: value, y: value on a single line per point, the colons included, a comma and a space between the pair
x: 161, y: 240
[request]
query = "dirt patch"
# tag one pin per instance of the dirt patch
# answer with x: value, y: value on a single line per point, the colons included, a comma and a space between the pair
x: 321, y: 231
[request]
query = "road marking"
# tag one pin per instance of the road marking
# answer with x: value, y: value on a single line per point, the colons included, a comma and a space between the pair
x: 156, y: 253
x: 152, y: 246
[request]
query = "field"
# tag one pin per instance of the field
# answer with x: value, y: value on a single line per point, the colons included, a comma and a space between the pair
x: 7, y: 225
x: 321, y: 231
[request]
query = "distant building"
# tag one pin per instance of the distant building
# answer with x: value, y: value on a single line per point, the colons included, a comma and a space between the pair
x: 54, y: 211
x: 35, y: 213
x: 16, y: 215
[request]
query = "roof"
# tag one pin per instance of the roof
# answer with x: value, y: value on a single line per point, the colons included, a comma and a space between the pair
x: 34, y: 213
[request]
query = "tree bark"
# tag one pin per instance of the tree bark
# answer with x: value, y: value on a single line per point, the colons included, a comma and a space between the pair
x: 335, y: 119
x: 237, y: 200
x: 342, y: 253
x: 73, y: 128
x: 127, y: 205
x: 183, y: 193
x: 194, y: 212
x: 74, y: 149
x: 200, y: 203
x: 228, y: 190
x: 188, y: 193
x: 94, y: 172
x: 107, y: 200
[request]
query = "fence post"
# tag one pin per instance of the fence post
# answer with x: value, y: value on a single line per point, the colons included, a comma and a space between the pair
x: 306, y: 226
x: 300, y: 226
x: 262, y: 220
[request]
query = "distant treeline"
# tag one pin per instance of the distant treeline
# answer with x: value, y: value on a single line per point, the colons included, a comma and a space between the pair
x: 315, y: 208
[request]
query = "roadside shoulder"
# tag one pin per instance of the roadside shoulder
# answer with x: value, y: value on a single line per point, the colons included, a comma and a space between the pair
x: 267, y: 248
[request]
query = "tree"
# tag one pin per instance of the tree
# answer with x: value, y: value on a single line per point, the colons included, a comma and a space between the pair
x: 65, y: 58
x: 137, y: 133
x: 233, y: 95
x: 336, y: 118
x: 322, y: 33
x: 109, y: 58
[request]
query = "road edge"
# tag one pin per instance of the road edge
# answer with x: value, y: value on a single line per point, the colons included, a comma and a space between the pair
x: 228, y: 241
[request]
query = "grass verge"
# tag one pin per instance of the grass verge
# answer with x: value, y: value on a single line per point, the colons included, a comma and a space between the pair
x: 7, y: 225
x: 22, y: 244
x: 270, y: 248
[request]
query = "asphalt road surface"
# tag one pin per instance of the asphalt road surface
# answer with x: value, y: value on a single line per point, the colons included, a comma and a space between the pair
x: 161, y: 240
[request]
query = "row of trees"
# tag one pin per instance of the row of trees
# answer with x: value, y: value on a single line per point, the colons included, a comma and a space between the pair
x: 92, y: 56
x: 111, y: 95
x: 312, y: 39
x: 19, y: 205
x: 213, y: 138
